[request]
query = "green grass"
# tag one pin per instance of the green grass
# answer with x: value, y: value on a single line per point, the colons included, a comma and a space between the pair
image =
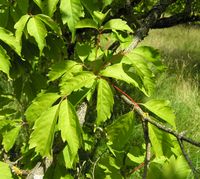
x: 180, y: 52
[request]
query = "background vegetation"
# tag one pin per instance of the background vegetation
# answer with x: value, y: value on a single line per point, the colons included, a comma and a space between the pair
x: 179, y: 47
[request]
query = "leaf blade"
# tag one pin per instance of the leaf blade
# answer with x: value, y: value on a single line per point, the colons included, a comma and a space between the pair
x: 117, y: 24
x: 50, y: 22
x: 9, y: 138
x: 40, y: 104
x: 69, y: 126
x: 71, y: 11
x: 46, y: 122
x: 105, y: 101
x: 37, y: 29
x: 5, y: 61
x: 82, y: 79
x: 162, y: 109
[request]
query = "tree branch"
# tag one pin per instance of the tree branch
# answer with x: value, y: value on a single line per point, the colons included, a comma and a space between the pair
x: 181, y: 18
x: 151, y: 18
x: 179, y: 136
x: 148, y: 148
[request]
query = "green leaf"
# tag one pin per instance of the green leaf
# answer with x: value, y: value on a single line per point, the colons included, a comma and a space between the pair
x: 69, y: 126
x: 37, y: 29
x: 138, y: 159
x: 43, y: 134
x: 162, y: 109
x: 68, y: 157
x: 9, y: 137
x: 39, y: 105
x: 142, y: 69
x: 58, y: 69
x: 99, y: 17
x: 4, y: 61
x: 105, y: 101
x: 48, y: 7
x: 8, y: 38
x: 86, y: 23
x: 119, y: 132
x: 19, y: 26
x: 117, y: 71
x: 174, y: 167
x: 117, y: 24
x: 161, y: 142
x: 48, y: 21
x: 82, y: 79
x: 83, y: 50
x: 5, y: 171
x: 71, y: 11
x: 147, y: 52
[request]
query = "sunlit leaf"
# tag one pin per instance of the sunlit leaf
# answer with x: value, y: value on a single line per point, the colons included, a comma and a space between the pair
x: 117, y: 71
x: 8, y: 38
x: 82, y: 79
x: 136, y: 159
x: 19, y: 26
x: 86, y: 23
x: 99, y: 16
x: 9, y: 137
x: 69, y: 125
x: 43, y: 134
x: 162, y: 109
x: 117, y: 24
x: 4, y: 61
x: 49, y: 22
x: 37, y: 29
x: 161, y: 142
x: 58, y: 69
x: 71, y: 11
x: 105, y: 101
x: 39, y: 105
x: 48, y: 7
x: 5, y: 171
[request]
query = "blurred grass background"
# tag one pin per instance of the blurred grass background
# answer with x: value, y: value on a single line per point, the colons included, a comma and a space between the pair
x: 180, y: 52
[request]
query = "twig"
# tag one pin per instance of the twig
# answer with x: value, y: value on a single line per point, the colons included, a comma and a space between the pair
x: 179, y: 136
x: 148, y: 148
x: 194, y: 171
x: 94, y: 166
